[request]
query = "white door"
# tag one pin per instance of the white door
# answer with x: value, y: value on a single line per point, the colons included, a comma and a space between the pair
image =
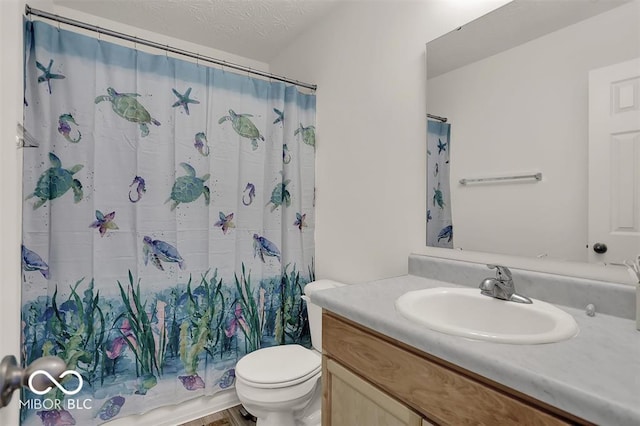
x: 614, y: 162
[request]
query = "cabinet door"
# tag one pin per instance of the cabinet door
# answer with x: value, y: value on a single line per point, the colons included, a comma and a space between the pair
x: 351, y: 401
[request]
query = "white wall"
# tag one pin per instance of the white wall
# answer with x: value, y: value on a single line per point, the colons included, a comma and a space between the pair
x: 11, y: 191
x: 368, y: 60
x: 526, y: 110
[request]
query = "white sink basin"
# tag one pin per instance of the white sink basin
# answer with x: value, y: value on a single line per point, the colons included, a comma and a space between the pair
x: 465, y: 312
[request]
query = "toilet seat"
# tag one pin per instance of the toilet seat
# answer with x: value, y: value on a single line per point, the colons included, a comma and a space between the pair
x: 278, y: 366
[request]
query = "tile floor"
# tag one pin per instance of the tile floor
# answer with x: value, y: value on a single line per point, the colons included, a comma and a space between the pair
x: 230, y: 417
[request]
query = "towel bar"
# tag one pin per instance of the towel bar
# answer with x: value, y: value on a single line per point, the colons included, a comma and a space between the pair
x: 536, y: 176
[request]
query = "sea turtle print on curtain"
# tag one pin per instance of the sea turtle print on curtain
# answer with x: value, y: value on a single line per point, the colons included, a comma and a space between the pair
x: 167, y: 224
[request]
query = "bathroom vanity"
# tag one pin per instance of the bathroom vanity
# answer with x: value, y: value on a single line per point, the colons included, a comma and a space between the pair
x: 413, y: 387
x: 379, y: 368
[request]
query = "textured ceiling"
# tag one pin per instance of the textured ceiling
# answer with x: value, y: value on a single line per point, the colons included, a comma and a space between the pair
x: 255, y: 29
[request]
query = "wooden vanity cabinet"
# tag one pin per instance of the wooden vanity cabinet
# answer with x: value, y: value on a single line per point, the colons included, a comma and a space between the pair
x: 372, y: 380
x: 356, y: 402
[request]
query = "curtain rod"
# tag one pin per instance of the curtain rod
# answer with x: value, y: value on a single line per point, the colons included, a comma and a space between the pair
x: 41, y: 13
x: 436, y: 117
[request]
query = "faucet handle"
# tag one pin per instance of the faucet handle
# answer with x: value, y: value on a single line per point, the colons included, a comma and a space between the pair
x: 501, y: 271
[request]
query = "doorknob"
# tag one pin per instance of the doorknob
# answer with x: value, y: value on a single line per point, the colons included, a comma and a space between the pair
x: 600, y: 248
x: 13, y: 377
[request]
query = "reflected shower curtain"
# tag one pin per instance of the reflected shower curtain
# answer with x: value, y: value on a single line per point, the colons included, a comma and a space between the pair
x: 439, y: 225
x: 167, y: 226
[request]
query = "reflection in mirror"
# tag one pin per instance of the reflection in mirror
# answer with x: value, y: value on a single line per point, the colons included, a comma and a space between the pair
x: 440, y: 230
x: 550, y: 88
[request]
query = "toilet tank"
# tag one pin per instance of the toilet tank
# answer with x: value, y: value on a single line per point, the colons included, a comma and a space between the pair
x: 315, y: 311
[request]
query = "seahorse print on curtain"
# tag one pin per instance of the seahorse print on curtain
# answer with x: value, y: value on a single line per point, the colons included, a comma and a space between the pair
x: 167, y: 224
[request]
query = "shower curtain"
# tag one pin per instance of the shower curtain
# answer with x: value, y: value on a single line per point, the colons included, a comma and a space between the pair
x: 167, y: 224
x: 439, y: 225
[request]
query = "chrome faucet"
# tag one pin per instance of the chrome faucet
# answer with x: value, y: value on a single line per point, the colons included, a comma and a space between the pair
x: 502, y: 287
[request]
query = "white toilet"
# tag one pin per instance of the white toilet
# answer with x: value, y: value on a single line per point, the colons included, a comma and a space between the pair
x: 281, y: 385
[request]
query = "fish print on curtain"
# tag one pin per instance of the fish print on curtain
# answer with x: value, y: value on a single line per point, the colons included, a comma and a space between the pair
x: 439, y: 225
x: 167, y: 224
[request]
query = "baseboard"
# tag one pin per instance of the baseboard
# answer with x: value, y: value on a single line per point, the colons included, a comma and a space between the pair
x: 182, y: 413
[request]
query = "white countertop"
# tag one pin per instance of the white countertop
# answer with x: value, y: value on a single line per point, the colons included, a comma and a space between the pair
x: 595, y: 375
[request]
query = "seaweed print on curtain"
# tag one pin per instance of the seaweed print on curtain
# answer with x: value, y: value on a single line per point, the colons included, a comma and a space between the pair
x: 439, y: 225
x: 167, y: 227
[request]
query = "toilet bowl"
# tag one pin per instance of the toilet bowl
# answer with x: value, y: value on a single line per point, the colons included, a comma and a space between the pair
x: 281, y: 385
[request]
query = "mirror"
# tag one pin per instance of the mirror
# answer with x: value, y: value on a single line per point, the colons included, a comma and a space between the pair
x: 514, y: 87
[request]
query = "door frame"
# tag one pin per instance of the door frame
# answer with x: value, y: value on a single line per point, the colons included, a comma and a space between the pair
x: 10, y: 188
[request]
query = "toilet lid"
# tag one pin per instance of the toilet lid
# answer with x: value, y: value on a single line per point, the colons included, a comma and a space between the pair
x: 279, y: 366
